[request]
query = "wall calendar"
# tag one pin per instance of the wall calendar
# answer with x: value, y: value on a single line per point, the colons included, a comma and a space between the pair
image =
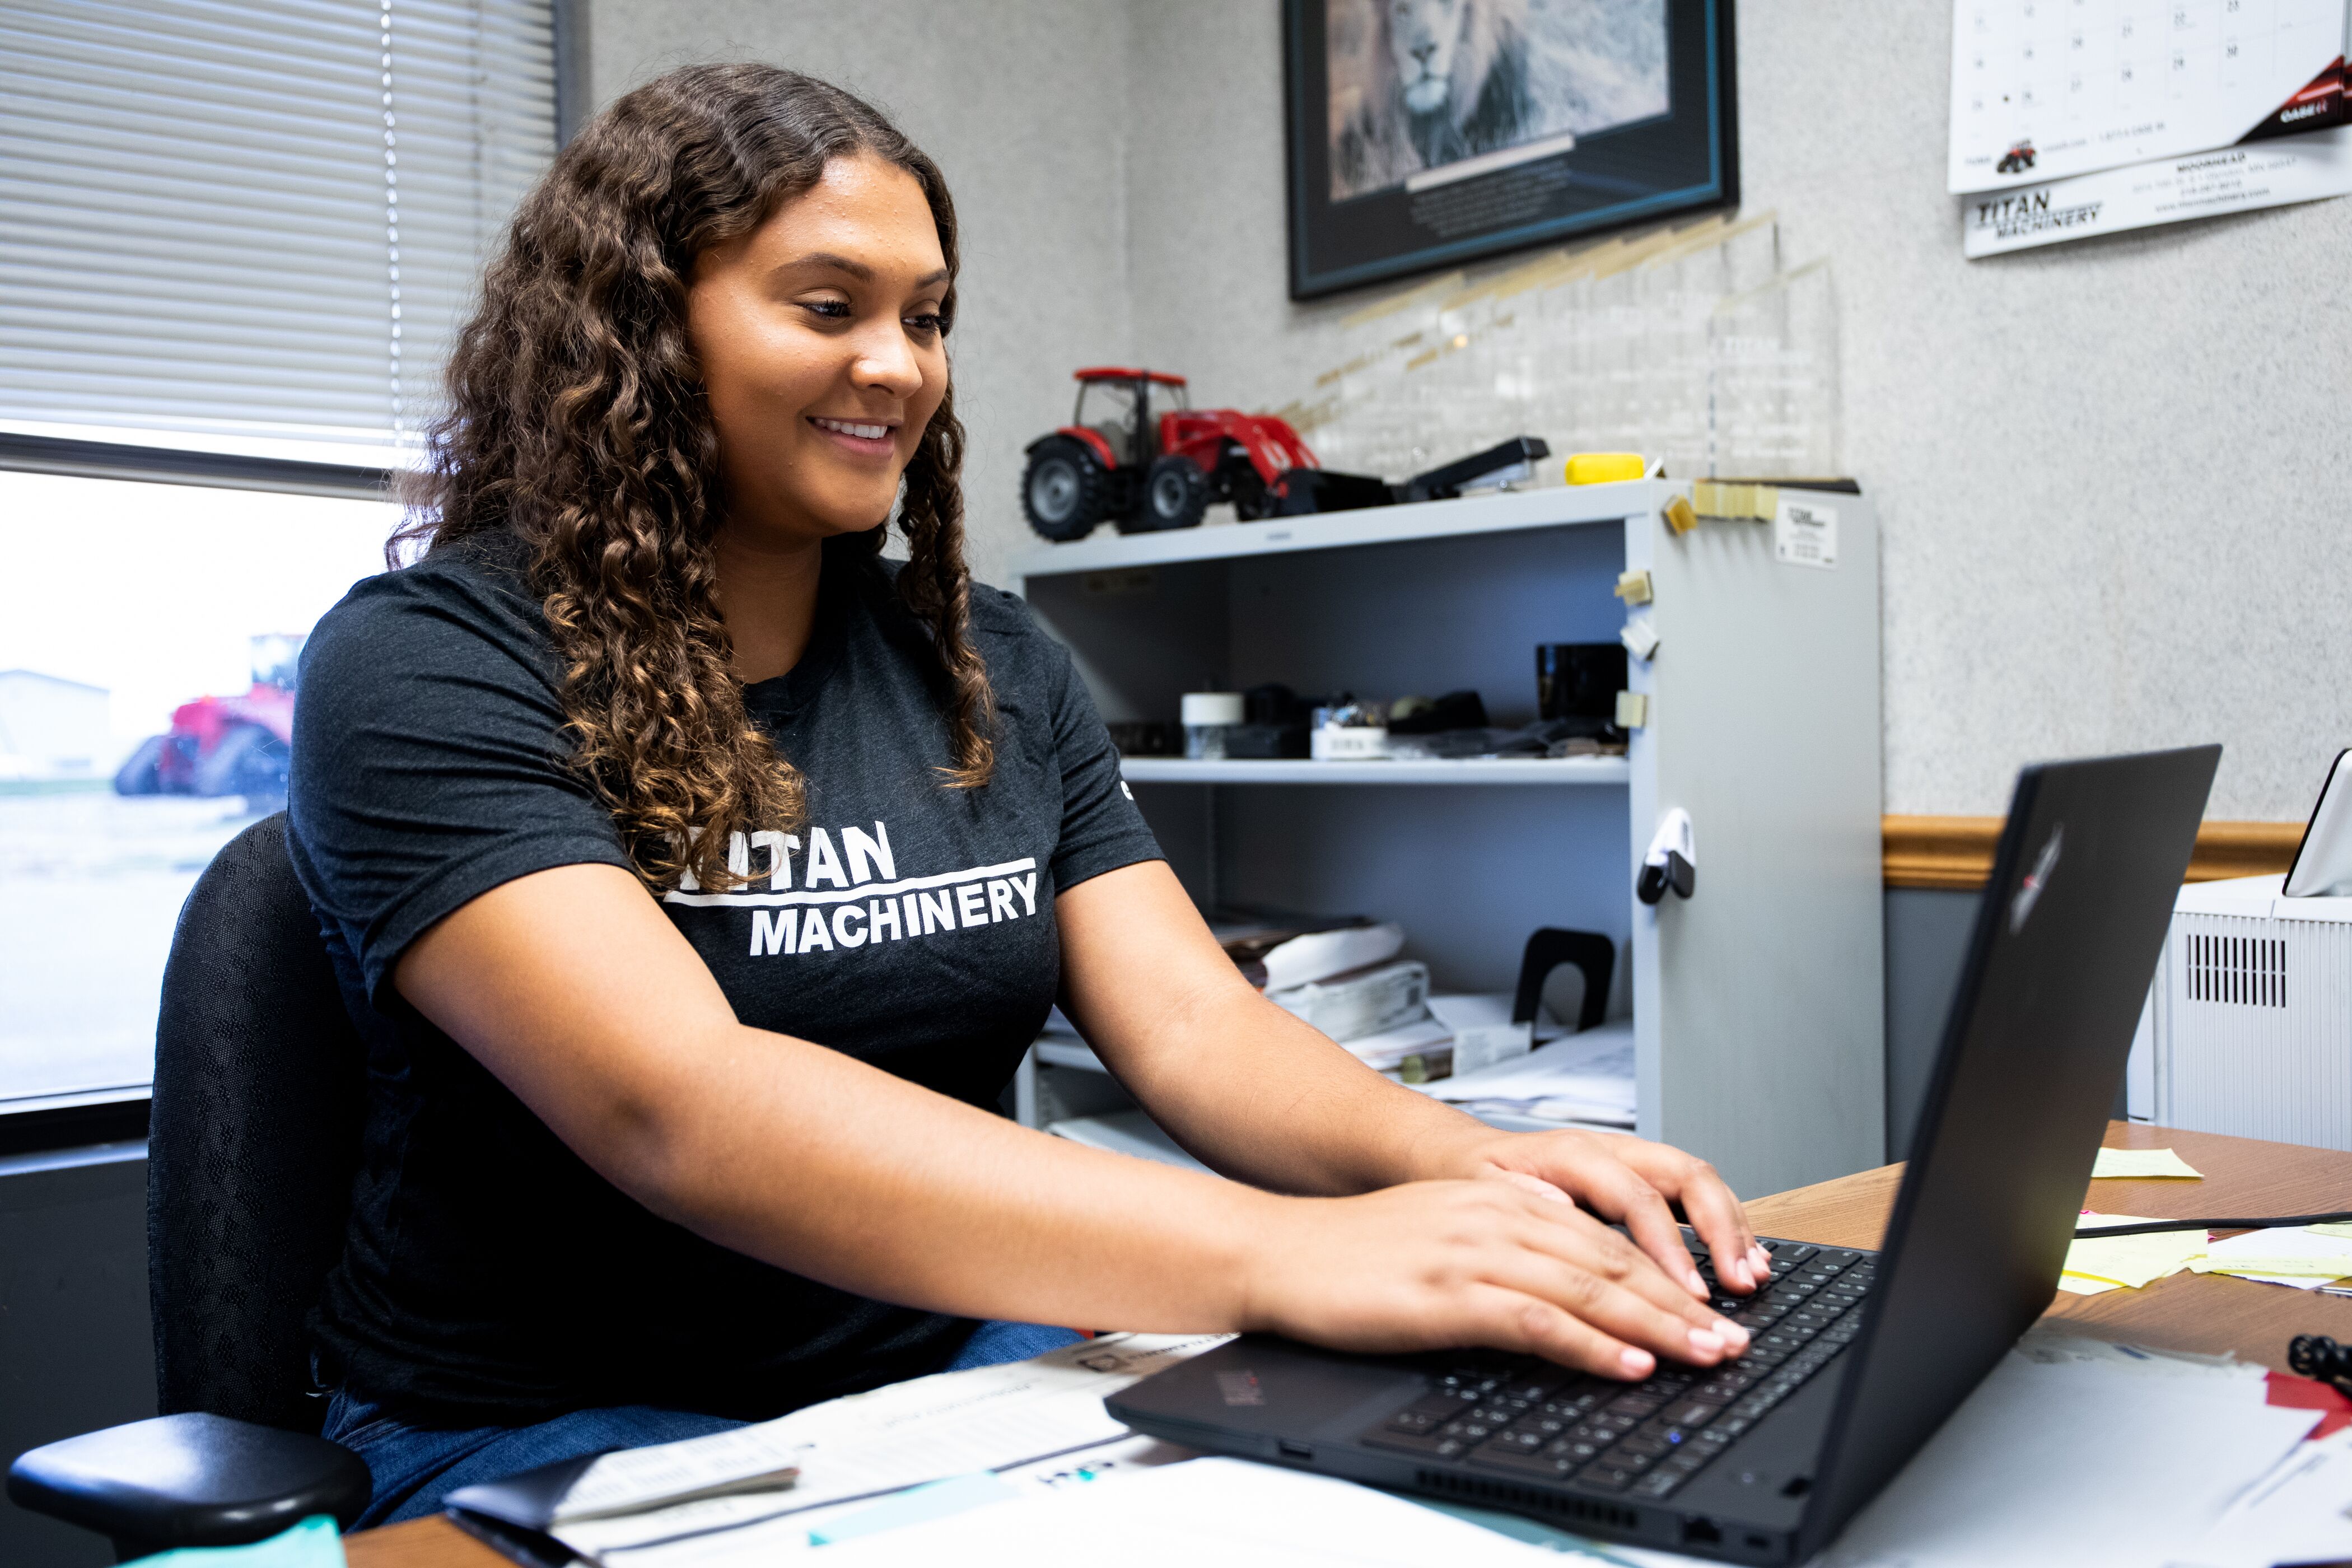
x: 2043, y: 89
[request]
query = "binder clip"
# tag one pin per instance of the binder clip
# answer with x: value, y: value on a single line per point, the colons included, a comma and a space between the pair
x: 1672, y: 862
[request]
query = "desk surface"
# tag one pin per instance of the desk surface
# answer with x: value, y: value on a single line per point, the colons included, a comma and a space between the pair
x: 2186, y: 1311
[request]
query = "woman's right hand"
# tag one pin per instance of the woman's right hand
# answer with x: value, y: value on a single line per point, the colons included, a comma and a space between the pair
x: 1447, y: 1265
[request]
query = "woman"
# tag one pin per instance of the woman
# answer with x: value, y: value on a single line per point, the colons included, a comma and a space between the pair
x: 699, y: 876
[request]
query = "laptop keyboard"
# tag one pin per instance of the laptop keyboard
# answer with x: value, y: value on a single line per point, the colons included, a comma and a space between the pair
x: 1526, y: 1417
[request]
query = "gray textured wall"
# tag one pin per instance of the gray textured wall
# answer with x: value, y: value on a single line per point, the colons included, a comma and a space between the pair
x: 1024, y: 105
x: 2109, y: 473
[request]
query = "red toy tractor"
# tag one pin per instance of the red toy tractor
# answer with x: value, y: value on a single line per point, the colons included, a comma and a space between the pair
x: 1149, y: 467
x: 225, y: 745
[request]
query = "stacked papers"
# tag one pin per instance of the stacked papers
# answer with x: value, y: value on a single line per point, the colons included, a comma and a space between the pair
x: 2126, y: 1262
x: 1224, y: 1512
x: 626, y: 1505
x: 1456, y: 1033
x: 2304, y: 1259
x: 1585, y: 1077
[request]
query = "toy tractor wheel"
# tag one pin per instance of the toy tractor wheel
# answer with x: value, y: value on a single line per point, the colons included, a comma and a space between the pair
x: 1175, y: 495
x: 1238, y: 482
x: 1062, y: 493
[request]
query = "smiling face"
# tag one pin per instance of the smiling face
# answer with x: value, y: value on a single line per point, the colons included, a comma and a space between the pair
x: 823, y: 347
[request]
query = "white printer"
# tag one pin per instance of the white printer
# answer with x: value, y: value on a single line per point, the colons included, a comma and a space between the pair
x: 2247, y: 1026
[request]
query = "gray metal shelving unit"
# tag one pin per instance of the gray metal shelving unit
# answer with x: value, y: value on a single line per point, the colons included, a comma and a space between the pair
x: 1756, y: 1005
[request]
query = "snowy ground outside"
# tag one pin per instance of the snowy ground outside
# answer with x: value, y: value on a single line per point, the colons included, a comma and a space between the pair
x: 90, y: 884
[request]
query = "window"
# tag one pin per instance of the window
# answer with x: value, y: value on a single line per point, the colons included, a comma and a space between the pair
x: 145, y: 677
x: 254, y: 227
x: 236, y: 239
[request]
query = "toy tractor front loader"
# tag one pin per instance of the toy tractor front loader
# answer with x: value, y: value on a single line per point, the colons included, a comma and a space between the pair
x: 1136, y: 452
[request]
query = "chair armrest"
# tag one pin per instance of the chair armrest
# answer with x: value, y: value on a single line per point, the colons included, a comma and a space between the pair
x: 191, y: 1480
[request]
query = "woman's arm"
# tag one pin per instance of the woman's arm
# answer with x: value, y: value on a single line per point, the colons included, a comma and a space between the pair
x: 1262, y: 1097
x: 573, y: 989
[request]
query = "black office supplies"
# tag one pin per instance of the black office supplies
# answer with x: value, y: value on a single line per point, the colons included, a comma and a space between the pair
x: 1857, y: 1358
x: 1577, y: 683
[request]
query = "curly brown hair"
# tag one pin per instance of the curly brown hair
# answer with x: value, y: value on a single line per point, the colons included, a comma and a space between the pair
x: 577, y: 420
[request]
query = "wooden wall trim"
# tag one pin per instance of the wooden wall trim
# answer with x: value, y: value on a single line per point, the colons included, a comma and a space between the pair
x: 1956, y: 852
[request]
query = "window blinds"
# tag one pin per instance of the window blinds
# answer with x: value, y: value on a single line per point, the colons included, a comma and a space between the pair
x: 254, y: 226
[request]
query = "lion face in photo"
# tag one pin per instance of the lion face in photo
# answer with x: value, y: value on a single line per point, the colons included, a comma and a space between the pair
x: 1415, y: 85
x: 1439, y: 80
x: 1423, y: 35
x: 1444, y: 50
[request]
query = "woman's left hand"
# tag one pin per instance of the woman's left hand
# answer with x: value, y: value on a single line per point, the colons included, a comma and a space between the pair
x: 1632, y: 1182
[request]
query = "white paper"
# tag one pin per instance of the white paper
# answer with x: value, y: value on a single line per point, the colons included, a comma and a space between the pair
x: 2080, y: 1463
x: 1805, y: 533
x: 2200, y: 185
x: 2286, y: 1241
x: 759, y: 1543
x: 1320, y: 955
x: 1476, y: 1049
x: 1582, y: 1077
x: 2297, y: 1514
x: 2059, y: 88
x: 1208, y: 1513
x: 1484, y: 1009
x: 2049, y: 1342
x: 1386, y: 1051
x: 950, y: 1423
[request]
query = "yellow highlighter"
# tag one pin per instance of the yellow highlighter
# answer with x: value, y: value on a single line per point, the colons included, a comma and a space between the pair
x: 1606, y: 467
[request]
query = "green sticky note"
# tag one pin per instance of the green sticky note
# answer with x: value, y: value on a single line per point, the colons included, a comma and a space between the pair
x: 2143, y: 1164
x: 313, y: 1544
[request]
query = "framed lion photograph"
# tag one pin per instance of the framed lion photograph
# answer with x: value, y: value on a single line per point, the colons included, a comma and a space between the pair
x: 1427, y: 132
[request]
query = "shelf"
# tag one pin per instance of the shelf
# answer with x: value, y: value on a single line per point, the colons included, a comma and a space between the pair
x: 1491, y: 771
x: 1553, y: 507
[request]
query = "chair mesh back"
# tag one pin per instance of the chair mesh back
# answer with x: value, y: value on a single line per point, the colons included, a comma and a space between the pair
x: 254, y: 1137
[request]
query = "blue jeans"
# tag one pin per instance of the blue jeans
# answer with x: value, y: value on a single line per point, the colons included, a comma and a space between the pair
x: 414, y: 1467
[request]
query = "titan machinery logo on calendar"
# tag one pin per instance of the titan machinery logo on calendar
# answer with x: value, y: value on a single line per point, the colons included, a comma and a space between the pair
x: 2011, y: 217
x: 2080, y: 86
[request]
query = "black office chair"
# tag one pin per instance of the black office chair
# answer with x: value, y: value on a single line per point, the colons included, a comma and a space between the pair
x: 254, y: 1138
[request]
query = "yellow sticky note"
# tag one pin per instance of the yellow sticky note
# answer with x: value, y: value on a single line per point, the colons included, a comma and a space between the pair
x: 2127, y: 1260
x: 2340, y: 1231
x: 2143, y: 1163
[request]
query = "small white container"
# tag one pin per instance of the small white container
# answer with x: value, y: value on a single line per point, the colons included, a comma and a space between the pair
x: 1207, y: 716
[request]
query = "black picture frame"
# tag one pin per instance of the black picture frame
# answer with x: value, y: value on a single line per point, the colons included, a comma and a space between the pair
x: 1504, y: 182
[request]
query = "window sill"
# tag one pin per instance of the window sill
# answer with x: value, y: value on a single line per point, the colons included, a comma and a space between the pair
x: 44, y: 1125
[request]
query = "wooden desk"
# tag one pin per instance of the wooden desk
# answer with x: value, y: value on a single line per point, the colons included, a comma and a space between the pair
x: 2204, y: 1313
x: 2186, y: 1311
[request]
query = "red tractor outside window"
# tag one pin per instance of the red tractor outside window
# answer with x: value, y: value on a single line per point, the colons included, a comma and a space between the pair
x: 1136, y: 452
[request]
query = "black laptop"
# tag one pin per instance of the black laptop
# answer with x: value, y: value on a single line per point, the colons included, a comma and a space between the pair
x: 1858, y: 1357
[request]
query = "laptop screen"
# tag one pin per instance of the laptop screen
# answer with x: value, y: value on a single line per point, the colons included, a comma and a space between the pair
x: 2066, y: 939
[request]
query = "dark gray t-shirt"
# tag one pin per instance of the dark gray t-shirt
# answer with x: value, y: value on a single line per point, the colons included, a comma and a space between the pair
x: 489, y: 1275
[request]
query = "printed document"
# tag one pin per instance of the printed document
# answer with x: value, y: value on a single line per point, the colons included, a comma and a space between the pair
x: 950, y: 1423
